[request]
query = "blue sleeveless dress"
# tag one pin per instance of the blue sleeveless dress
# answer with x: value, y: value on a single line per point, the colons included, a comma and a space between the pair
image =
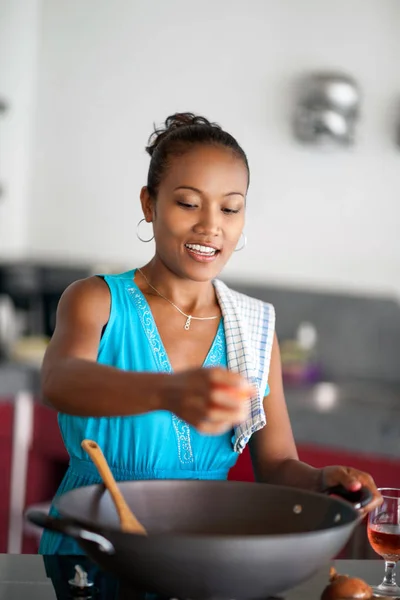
x: 157, y: 445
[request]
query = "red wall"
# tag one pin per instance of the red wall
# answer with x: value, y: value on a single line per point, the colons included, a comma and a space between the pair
x: 385, y: 471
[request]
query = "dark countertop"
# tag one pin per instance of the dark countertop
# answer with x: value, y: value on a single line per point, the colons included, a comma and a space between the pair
x: 21, y: 575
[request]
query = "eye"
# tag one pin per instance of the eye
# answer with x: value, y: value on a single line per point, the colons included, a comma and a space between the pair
x: 230, y: 211
x: 186, y: 204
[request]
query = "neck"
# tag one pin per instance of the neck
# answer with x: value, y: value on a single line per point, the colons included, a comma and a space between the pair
x: 192, y: 297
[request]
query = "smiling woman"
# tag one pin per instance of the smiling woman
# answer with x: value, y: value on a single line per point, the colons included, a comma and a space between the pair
x: 196, y: 189
x: 166, y: 368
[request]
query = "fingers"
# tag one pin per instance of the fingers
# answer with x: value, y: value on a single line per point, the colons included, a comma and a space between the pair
x: 219, y: 414
x: 212, y: 400
x: 224, y: 404
x: 225, y: 399
x: 348, y: 478
x: 353, y: 480
x: 367, y: 481
x: 231, y: 382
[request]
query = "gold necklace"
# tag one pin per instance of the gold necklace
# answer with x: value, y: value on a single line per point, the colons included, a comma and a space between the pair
x: 188, y: 317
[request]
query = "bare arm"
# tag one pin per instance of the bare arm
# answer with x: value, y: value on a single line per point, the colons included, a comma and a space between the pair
x: 273, y: 449
x: 72, y: 381
x: 274, y: 453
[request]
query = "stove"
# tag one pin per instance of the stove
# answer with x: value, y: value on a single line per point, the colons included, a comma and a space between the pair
x: 33, y: 577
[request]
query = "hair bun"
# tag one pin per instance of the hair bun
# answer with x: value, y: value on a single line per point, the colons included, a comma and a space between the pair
x: 179, y: 134
x: 172, y: 123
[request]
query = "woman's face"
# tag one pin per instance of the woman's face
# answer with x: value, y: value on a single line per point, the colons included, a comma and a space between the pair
x: 199, y: 212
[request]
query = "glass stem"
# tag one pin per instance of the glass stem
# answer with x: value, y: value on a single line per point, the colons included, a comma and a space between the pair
x: 390, y: 573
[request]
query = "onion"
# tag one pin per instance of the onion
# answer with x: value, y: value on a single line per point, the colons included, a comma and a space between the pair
x: 343, y: 587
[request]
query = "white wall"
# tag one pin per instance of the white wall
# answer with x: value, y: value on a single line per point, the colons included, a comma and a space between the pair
x: 19, y: 31
x: 108, y: 70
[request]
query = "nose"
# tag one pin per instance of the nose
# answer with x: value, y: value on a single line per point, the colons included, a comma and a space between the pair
x: 208, y: 223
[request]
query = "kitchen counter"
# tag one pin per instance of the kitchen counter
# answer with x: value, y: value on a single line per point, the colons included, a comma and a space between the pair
x: 46, y: 578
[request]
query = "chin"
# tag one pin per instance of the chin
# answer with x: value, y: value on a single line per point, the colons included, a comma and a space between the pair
x: 203, y: 273
x: 199, y: 272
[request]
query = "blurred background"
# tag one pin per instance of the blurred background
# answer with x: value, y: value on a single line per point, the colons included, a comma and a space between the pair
x: 311, y: 90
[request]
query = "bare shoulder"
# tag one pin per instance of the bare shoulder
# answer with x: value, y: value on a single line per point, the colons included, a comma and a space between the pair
x: 87, y: 299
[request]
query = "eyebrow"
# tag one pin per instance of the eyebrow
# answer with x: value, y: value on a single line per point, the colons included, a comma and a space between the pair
x: 193, y: 189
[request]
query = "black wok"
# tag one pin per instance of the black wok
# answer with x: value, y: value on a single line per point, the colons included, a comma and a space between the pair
x: 209, y: 539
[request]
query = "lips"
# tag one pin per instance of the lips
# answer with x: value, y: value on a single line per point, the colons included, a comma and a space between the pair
x: 202, y: 249
x: 202, y: 252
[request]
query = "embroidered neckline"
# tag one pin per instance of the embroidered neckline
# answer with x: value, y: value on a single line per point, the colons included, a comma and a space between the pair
x: 214, y: 353
x: 213, y: 358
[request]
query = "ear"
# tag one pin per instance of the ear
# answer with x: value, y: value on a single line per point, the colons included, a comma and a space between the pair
x: 147, y: 204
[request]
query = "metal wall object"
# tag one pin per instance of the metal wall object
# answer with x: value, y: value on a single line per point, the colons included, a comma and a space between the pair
x: 327, y: 109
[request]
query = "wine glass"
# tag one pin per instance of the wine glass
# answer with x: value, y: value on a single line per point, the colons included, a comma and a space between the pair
x: 384, y: 537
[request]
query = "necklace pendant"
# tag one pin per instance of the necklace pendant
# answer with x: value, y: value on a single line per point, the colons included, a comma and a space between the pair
x: 187, y: 324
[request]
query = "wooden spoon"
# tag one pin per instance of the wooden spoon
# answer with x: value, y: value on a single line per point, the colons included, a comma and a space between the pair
x: 129, y: 522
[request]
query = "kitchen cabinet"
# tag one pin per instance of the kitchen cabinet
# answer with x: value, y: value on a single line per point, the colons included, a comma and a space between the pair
x: 6, y: 415
x: 47, y: 462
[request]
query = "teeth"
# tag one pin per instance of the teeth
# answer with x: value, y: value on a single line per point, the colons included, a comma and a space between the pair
x: 202, y: 249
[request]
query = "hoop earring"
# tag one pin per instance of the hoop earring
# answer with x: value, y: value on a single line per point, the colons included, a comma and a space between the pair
x: 244, y: 242
x: 138, y: 235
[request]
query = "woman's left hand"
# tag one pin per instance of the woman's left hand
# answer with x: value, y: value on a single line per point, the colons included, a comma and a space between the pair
x: 352, y: 480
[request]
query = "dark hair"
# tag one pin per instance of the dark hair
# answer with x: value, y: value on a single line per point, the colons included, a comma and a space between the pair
x: 180, y: 131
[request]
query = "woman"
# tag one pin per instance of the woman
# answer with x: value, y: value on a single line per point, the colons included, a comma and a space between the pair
x: 125, y: 366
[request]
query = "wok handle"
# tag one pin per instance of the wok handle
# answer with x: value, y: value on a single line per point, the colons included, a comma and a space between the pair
x: 358, y: 499
x: 70, y: 528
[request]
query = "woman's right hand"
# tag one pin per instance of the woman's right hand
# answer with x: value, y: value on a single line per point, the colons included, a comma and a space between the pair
x: 211, y: 399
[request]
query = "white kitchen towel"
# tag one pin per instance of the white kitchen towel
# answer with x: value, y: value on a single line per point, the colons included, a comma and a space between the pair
x: 249, y: 326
